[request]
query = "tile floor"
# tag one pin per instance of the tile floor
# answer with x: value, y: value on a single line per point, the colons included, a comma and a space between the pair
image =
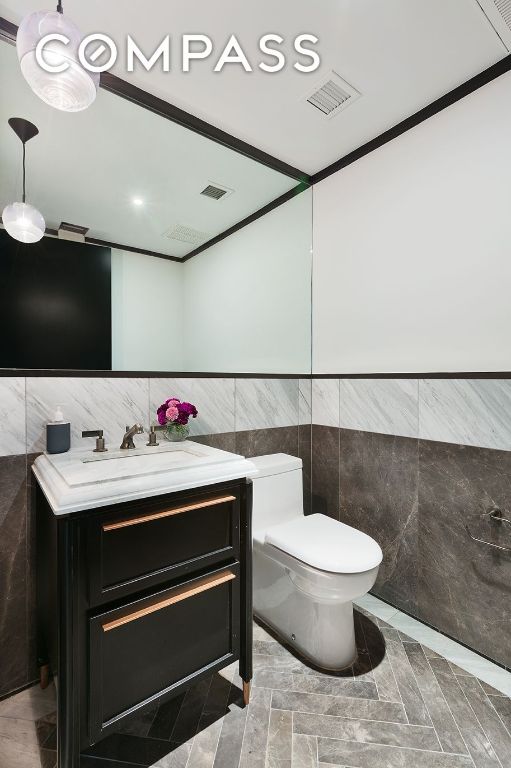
x: 411, y: 701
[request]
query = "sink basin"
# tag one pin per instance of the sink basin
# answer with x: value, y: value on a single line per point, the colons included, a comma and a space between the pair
x: 80, y: 480
x: 180, y: 452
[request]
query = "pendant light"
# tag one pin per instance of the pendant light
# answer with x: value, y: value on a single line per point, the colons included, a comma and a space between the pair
x: 22, y: 221
x: 71, y: 90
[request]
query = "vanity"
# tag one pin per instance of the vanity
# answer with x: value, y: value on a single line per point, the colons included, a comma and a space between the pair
x: 143, y: 579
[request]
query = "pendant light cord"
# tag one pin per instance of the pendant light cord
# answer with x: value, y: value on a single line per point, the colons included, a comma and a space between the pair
x: 24, y: 148
x: 59, y: 7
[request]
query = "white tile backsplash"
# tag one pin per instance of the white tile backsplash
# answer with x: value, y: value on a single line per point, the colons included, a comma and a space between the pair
x: 325, y: 402
x: 305, y: 401
x: 266, y: 403
x: 466, y: 411
x: 12, y: 416
x: 387, y: 406
x: 462, y: 411
x: 88, y: 403
x: 213, y: 398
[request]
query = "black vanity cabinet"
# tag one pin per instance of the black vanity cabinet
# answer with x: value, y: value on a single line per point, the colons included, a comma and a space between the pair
x: 137, y: 601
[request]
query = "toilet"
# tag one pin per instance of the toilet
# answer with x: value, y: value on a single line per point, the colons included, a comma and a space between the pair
x: 306, y: 569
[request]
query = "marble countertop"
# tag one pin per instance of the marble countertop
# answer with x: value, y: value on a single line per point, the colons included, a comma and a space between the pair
x: 81, y: 480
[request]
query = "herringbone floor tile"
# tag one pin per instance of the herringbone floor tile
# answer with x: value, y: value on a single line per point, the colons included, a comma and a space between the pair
x: 400, y: 706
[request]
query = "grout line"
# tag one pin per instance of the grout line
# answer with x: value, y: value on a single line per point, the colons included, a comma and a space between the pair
x: 348, y: 717
x: 449, y: 708
x: 397, y: 683
x: 268, y: 728
x: 360, y: 719
x: 361, y: 624
x: 478, y: 721
x: 496, y: 711
x: 446, y: 703
x: 395, y: 746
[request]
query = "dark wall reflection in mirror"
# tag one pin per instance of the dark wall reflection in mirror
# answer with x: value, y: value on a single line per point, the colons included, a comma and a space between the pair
x: 55, y: 305
x: 172, y: 298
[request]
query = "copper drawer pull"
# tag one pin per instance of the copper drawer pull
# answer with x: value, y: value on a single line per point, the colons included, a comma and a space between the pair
x: 183, y: 593
x: 167, y: 513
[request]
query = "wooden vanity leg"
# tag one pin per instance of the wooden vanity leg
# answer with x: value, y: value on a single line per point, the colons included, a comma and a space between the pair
x: 246, y: 692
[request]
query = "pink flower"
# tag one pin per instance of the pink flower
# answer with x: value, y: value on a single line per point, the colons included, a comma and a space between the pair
x: 172, y: 413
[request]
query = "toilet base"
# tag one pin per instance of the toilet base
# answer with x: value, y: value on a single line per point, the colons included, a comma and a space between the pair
x: 303, y: 650
x: 320, y: 628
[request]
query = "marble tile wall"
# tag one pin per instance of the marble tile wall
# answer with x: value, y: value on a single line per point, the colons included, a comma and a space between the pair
x: 249, y: 416
x: 467, y: 412
x: 411, y: 462
x: 391, y: 457
x: 12, y: 416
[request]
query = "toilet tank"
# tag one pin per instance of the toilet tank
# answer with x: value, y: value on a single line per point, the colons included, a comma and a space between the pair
x: 278, y: 490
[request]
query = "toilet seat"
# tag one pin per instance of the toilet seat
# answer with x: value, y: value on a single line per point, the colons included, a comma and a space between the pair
x: 326, y: 544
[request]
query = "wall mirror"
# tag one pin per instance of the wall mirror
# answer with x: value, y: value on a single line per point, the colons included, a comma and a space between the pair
x: 152, y: 289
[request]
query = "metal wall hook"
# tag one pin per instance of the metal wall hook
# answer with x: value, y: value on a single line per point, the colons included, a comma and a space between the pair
x: 495, y: 516
x: 488, y: 543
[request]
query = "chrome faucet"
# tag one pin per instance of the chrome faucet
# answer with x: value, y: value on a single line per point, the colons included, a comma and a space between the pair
x: 127, y: 442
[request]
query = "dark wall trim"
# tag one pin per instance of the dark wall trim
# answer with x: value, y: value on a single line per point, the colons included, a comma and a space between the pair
x: 133, y: 249
x: 32, y: 372
x: 253, y: 217
x: 426, y: 375
x: 142, y: 98
x: 483, y: 78
x: 107, y: 244
x: 217, y: 239
x: 107, y: 374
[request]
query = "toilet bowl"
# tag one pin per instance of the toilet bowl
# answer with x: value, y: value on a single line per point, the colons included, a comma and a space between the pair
x: 306, y: 569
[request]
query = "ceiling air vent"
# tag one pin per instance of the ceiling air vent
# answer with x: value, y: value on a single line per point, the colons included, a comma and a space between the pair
x: 498, y: 13
x: 332, y: 96
x: 216, y: 191
x: 186, y: 235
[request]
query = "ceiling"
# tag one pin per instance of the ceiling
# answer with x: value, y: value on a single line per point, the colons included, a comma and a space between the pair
x: 400, y: 54
x: 87, y: 168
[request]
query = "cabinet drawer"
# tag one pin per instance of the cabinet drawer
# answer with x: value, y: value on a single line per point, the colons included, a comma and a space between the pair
x: 153, y: 647
x: 161, y: 541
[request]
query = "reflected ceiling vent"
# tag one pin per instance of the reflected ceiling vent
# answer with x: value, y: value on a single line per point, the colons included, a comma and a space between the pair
x: 72, y: 232
x: 216, y: 191
x: 186, y: 235
x: 498, y: 13
x: 332, y: 96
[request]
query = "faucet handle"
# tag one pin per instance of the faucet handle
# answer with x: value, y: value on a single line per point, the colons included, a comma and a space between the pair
x: 153, y: 429
x: 100, y: 441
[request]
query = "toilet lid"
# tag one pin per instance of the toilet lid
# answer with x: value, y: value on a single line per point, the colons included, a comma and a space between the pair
x: 326, y: 544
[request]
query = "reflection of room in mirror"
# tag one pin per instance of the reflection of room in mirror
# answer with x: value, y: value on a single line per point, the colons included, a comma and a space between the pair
x: 143, y: 187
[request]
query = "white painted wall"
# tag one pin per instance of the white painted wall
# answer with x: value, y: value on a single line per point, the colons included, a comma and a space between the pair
x: 147, y: 313
x: 412, y: 248
x: 247, y: 299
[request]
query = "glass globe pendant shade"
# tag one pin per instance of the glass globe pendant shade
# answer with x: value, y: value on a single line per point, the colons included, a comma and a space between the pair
x: 23, y: 222
x: 72, y: 90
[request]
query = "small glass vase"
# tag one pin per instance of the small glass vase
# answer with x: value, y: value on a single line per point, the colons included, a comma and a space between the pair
x: 176, y: 433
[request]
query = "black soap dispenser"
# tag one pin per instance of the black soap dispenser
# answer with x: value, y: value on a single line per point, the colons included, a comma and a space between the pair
x: 58, y: 433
